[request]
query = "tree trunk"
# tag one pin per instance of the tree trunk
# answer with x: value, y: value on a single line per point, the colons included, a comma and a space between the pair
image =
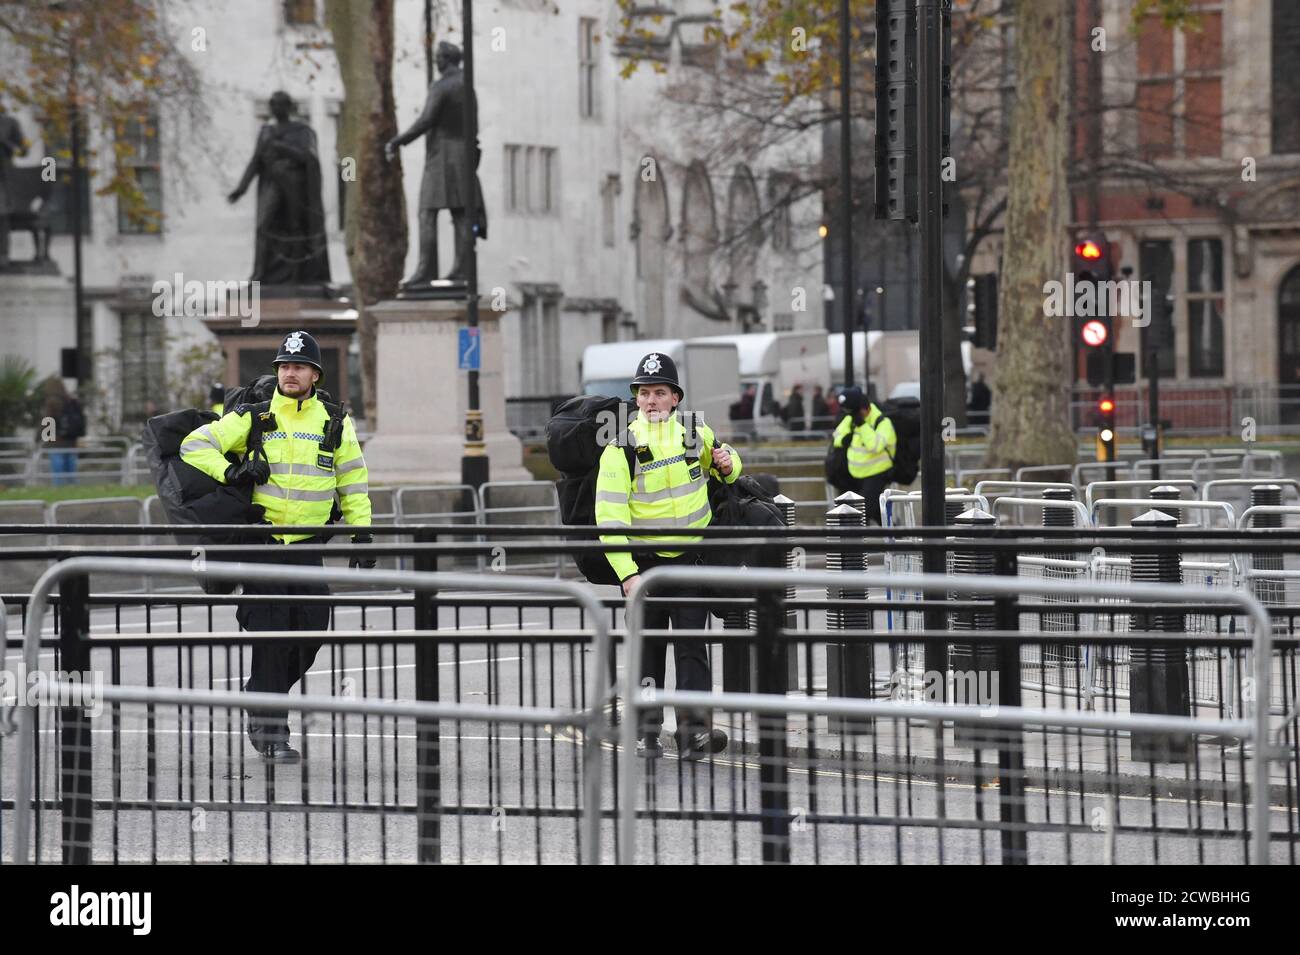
x: 375, y: 227
x: 1031, y: 397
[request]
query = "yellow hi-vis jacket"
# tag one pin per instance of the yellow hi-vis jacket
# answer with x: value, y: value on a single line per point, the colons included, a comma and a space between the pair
x: 304, y: 479
x: 661, y: 490
x: 874, y: 442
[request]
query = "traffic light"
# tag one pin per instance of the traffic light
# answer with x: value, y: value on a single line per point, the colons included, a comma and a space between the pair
x: 1092, y: 258
x: 984, y: 301
x: 1090, y: 264
x: 1106, y: 428
x: 1095, y: 336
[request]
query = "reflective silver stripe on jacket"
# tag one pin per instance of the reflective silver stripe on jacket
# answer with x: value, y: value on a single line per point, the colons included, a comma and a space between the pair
x: 667, y: 493
x: 362, y: 488
x: 294, y: 494
x: 668, y: 521
x: 311, y: 470
x: 206, y: 440
x: 357, y: 462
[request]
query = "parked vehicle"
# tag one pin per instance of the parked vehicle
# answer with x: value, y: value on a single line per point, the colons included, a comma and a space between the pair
x: 771, y: 364
x: 709, y: 372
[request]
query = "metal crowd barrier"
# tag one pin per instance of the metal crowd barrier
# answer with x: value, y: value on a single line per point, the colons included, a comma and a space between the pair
x: 161, y: 781
x: 859, y: 787
x: 885, y: 786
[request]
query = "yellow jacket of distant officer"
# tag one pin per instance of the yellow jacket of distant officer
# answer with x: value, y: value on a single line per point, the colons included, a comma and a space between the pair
x: 663, y: 491
x: 304, y: 479
x: 874, y: 442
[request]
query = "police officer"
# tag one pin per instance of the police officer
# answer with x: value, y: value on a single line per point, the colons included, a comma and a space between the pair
x: 296, y: 481
x: 872, y: 442
x: 217, y: 398
x: 668, y: 486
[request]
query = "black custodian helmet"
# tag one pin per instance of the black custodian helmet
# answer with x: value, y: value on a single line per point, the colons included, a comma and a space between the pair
x: 657, y: 369
x: 852, y: 399
x: 302, y: 348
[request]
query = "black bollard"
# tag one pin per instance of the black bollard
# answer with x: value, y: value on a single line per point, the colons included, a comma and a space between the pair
x: 974, y: 666
x: 855, y: 500
x: 1167, y: 492
x: 795, y: 559
x: 1159, y: 680
x: 1269, y: 591
x: 1062, y: 657
x: 849, y: 669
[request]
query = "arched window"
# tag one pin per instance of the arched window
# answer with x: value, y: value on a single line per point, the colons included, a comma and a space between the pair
x: 699, y: 237
x: 1288, y: 341
x: 651, y: 229
x: 1286, y: 76
x: 743, y: 235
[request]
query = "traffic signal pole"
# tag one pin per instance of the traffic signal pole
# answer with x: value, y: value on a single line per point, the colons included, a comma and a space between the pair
x: 930, y: 221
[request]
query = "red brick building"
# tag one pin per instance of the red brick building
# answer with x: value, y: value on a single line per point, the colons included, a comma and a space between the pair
x: 1186, y: 149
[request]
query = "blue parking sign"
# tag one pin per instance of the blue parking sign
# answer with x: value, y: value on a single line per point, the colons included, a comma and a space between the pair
x: 468, y: 349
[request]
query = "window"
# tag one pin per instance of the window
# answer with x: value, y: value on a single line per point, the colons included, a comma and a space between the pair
x: 141, y: 161
x: 1156, y: 262
x: 540, y: 344
x: 1180, y: 88
x: 60, y: 200
x: 609, y: 210
x: 1205, y: 308
x: 531, y: 179
x: 587, y: 40
x: 1286, y: 76
x: 609, y: 327
x: 300, y: 13
x: 143, y: 355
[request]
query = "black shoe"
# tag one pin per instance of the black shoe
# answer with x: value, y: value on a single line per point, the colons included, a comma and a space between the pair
x: 279, y: 753
x: 649, y: 747
x: 697, y: 745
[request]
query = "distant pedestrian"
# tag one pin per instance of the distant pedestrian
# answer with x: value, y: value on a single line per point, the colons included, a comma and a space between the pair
x: 62, y: 424
x: 793, y: 413
x: 821, y: 411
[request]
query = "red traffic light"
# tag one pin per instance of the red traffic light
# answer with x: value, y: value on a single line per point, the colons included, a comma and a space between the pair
x: 1088, y: 249
x: 1106, y: 405
x: 1095, y: 332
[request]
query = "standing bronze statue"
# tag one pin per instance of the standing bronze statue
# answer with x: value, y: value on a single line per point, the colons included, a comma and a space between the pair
x: 11, y: 144
x: 291, y: 236
x: 442, y: 123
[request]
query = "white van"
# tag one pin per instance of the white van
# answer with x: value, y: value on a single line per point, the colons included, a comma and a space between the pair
x: 771, y: 364
x: 709, y: 373
x: 895, y: 361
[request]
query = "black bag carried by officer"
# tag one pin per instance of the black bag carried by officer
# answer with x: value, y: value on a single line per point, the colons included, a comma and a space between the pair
x: 905, y: 413
x: 188, y: 495
x: 837, y: 464
x: 744, y: 503
x: 576, y: 436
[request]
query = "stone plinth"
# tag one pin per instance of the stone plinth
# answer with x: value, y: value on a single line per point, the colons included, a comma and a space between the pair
x: 421, y: 396
x: 37, y: 319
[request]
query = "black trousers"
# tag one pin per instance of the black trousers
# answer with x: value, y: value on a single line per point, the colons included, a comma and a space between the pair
x: 691, y: 657
x: 871, y: 488
x: 276, y: 667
